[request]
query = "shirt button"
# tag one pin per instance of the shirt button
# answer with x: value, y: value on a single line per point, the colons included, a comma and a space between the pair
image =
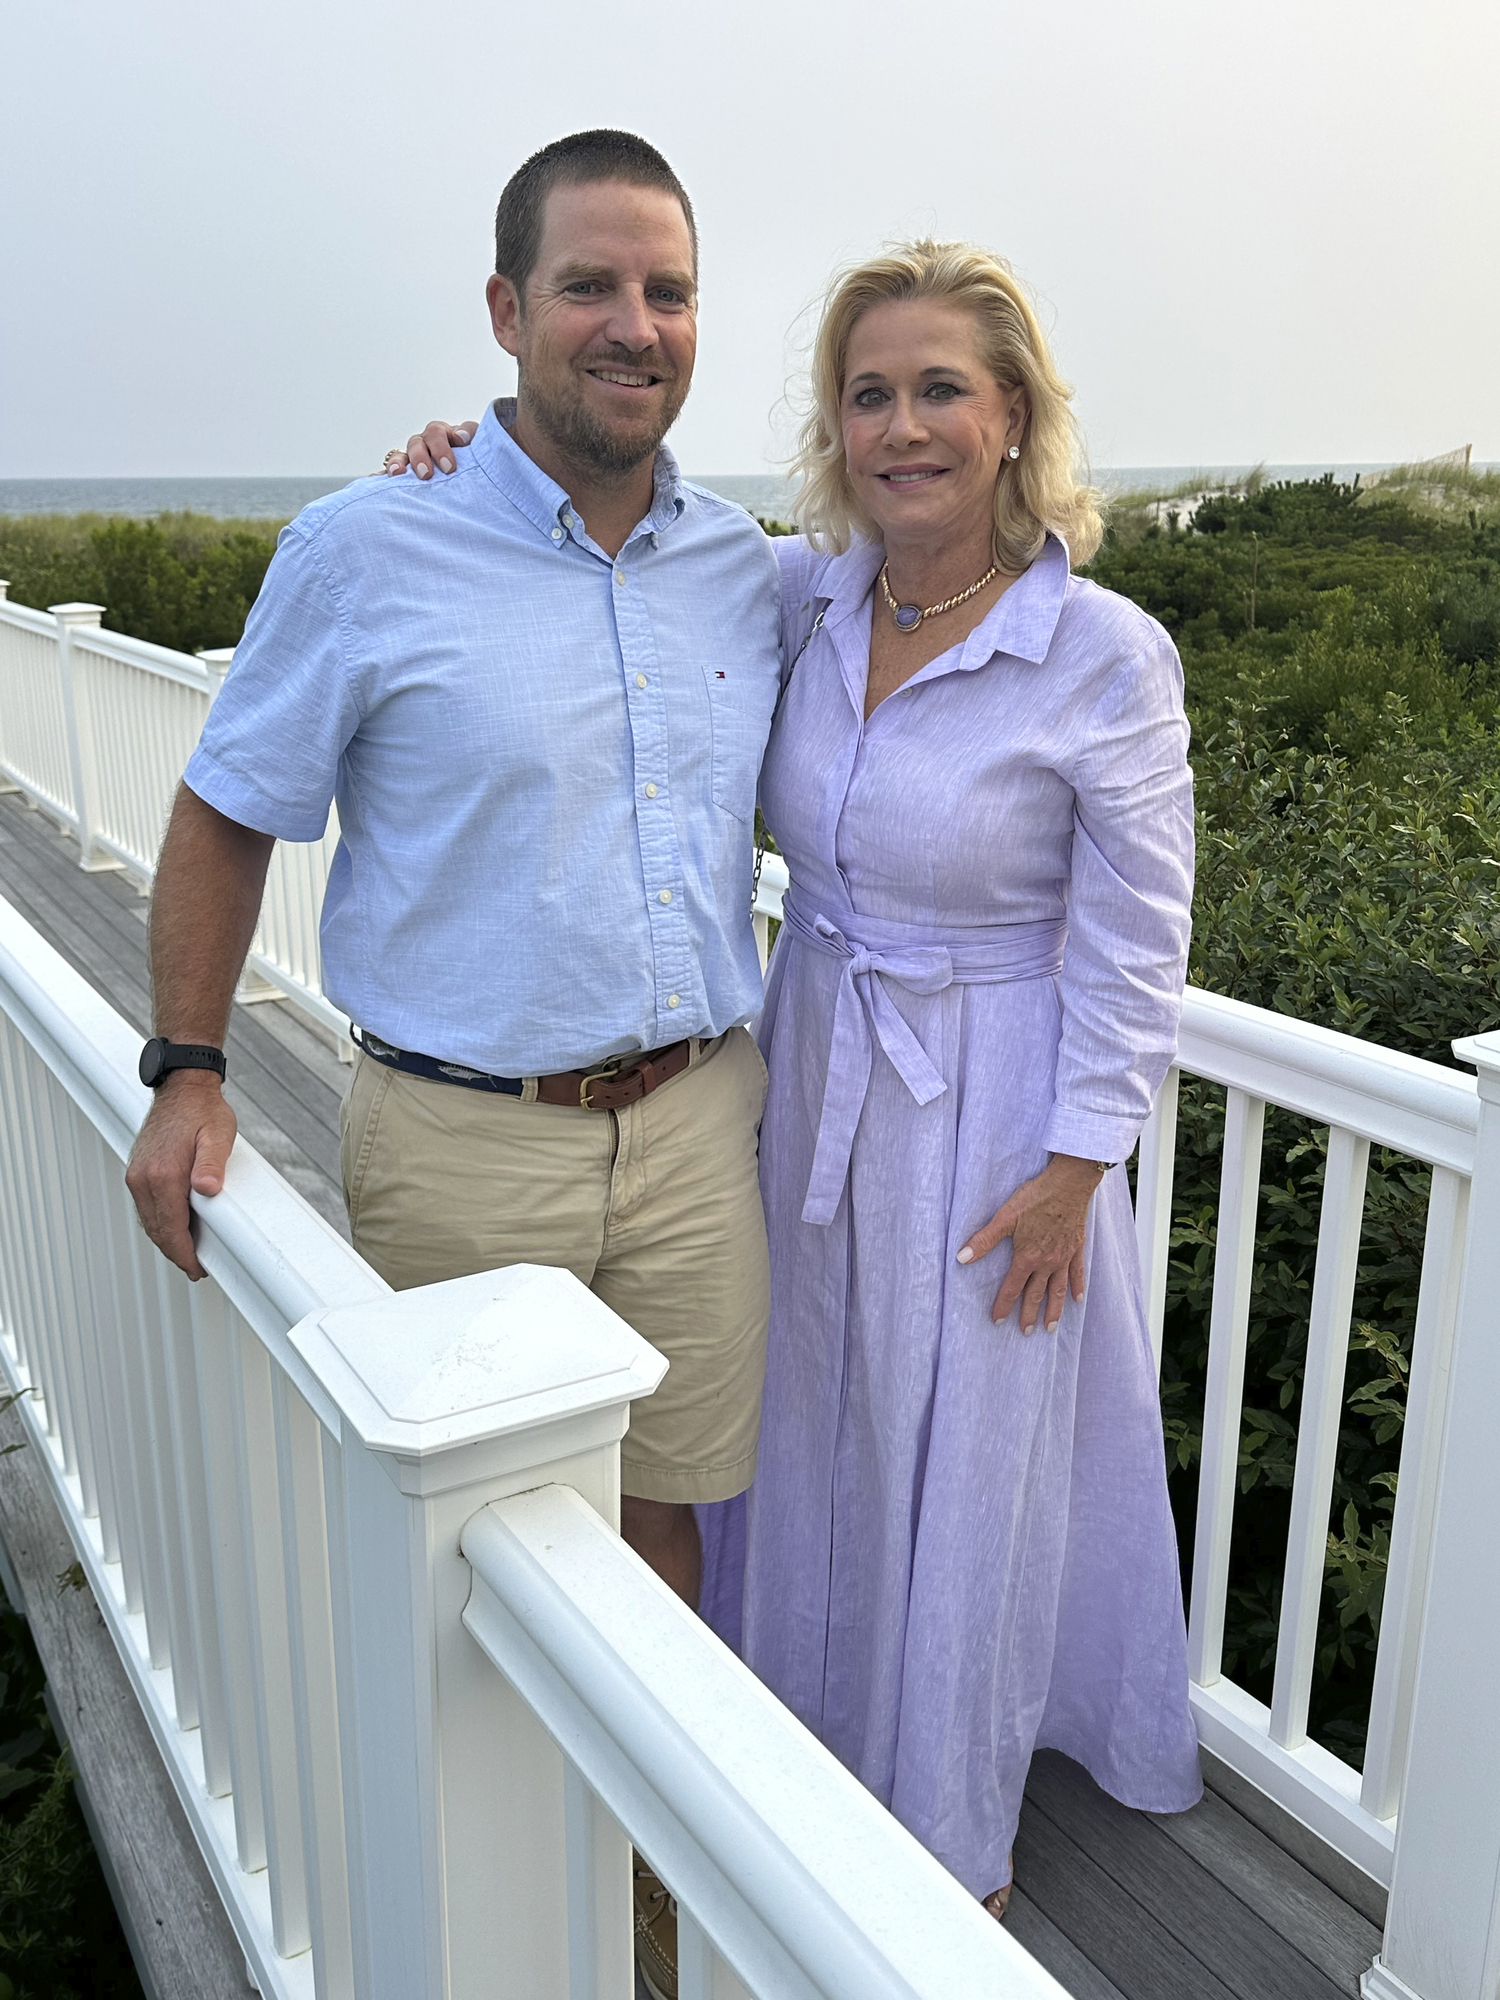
x: 640, y: 680
x: 568, y: 521
x: 557, y: 534
x: 674, y: 1000
x: 650, y: 791
x: 619, y: 576
x: 665, y: 896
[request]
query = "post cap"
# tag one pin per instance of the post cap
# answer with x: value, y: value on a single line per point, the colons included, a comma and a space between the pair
x: 475, y: 1358
x: 1483, y: 1051
x: 77, y: 614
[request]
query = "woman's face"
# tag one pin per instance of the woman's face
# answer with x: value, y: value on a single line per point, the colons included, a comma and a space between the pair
x: 926, y: 426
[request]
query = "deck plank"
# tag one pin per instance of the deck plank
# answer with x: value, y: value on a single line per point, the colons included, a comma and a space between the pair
x: 1317, y: 1922
x: 1352, y: 1885
x: 1056, y: 1952
x: 1108, y: 1925
x: 1171, y: 1886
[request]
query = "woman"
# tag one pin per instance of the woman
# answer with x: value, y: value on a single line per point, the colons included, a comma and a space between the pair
x: 958, y: 1546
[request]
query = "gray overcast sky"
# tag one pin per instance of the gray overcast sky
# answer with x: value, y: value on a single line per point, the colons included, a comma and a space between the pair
x: 253, y: 239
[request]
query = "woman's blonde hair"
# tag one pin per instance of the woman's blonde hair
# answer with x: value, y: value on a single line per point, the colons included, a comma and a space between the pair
x: 1041, y: 489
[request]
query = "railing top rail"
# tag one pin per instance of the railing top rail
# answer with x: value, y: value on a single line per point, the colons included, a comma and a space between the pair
x: 29, y: 620
x: 143, y: 654
x: 761, y: 1831
x: 1415, y: 1107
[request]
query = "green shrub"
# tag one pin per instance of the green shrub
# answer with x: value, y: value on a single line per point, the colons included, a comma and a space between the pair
x: 1342, y: 666
x: 182, y: 580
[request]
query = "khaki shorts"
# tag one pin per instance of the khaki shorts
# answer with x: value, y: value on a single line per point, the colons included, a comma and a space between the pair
x: 655, y: 1208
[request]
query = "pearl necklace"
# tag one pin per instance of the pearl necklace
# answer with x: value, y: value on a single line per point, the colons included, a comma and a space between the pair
x: 908, y: 617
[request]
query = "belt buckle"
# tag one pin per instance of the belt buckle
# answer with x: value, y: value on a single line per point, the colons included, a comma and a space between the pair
x: 596, y: 1076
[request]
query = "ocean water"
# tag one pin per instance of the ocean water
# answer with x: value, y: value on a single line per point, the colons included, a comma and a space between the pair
x: 765, y: 493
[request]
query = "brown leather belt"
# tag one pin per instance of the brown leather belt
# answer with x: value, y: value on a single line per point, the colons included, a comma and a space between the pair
x: 614, y: 1084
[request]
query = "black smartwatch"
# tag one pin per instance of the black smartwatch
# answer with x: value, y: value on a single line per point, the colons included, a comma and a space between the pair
x: 160, y: 1057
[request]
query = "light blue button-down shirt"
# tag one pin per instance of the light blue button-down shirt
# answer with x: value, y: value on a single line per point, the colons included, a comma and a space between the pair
x: 545, y: 760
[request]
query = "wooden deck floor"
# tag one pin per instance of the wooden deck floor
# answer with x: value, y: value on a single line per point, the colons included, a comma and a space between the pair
x: 1232, y: 1901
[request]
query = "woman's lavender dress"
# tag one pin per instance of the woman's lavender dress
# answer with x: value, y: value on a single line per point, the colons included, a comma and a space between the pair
x: 958, y: 1545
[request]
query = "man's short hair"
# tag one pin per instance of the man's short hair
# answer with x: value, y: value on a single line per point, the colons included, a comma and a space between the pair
x: 580, y: 158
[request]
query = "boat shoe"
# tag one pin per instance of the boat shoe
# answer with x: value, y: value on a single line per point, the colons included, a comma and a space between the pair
x: 655, y: 1933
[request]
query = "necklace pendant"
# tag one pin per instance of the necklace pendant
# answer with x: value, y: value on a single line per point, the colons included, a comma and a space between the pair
x: 907, y: 616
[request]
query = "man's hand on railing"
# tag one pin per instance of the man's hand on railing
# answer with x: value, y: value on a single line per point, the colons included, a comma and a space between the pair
x: 183, y: 1146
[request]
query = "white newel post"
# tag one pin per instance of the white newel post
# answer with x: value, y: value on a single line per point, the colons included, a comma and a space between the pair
x: 461, y: 1393
x: 77, y: 722
x: 217, y: 659
x: 1442, y: 1934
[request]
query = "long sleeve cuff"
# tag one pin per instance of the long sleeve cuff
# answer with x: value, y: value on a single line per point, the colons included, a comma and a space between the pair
x: 1090, y: 1135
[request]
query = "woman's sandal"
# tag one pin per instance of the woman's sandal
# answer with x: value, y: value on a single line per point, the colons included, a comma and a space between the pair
x: 998, y: 1901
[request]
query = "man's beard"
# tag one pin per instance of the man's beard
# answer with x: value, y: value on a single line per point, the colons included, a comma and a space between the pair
x: 586, y: 441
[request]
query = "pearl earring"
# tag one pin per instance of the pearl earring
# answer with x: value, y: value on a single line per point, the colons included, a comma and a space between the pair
x: 1014, y: 452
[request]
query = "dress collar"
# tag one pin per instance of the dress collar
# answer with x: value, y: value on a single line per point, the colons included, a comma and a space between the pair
x: 538, y: 496
x: 1021, y: 624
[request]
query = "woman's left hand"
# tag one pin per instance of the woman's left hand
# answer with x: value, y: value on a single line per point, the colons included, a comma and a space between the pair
x: 430, y: 447
x: 1045, y: 1219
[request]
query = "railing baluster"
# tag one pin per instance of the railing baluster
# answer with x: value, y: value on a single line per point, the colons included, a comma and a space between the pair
x: 59, y: 1296
x: 85, y: 1247
x: 597, y: 1859
x: 1416, y: 1494
x: 166, y: 1528
x: 309, y: 1588
x: 18, y: 1273
x: 274, y: 1717
x: 216, y: 1356
x: 190, y: 1473
x: 1153, y: 1204
x: 1318, y: 1431
x: 1229, y: 1319
x: 701, y: 1973
x: 128, y: 1419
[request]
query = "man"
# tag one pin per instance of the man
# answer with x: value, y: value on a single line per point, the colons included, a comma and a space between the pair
x: 539, y: 691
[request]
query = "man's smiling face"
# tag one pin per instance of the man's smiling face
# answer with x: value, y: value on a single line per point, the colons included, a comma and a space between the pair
x: 607, y: 331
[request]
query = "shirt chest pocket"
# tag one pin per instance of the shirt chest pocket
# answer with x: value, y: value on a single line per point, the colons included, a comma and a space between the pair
x: 739, y: 709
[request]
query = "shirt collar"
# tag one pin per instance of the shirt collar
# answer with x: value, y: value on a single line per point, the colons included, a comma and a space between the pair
x: 538, y: 495
x: 1021, y: 624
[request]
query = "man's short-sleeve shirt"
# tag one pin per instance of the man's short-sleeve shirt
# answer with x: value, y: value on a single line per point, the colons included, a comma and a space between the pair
x: 544, y: 759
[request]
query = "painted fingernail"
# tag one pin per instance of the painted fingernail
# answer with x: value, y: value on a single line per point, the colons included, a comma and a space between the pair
x: 446, y: 464
x: 1052, y: 1326
x: 966, y: 1255
x: 424, y: 472
x: 462, y: 436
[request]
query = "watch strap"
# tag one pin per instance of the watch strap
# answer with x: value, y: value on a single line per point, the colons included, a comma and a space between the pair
x: 160, y: 1057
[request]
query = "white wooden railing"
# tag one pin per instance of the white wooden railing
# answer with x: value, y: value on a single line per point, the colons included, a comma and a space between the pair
x: 1424, y: 1816
x: 552, y: 1590
x: 318, y: 1516
x: 96, y: 728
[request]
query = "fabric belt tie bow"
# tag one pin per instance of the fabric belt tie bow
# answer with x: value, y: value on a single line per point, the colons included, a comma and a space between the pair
x: 923, y: 961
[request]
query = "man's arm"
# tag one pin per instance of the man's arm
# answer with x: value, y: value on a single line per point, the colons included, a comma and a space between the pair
x: 204, y: 906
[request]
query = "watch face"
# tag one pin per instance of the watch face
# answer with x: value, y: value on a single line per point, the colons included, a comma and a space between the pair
x: 152, y: 1057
